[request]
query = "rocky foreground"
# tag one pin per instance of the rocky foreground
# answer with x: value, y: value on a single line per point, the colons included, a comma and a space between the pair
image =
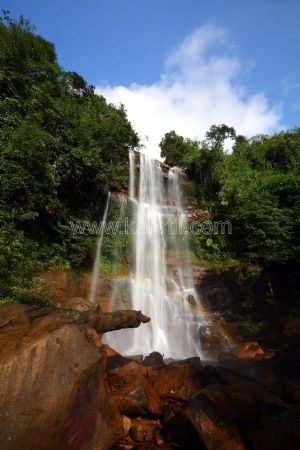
x: 60, y: 388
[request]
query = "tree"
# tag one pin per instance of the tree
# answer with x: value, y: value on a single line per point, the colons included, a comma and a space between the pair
x: 62, y: 147
x: 217, y: 135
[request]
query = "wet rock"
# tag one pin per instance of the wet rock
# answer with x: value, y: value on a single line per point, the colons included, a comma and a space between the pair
x: 287, y: 363
x: 66, y: 286
x: 138, y: 398
x: 125, y: 374
x: 180, y: 380
x: 248, y: 350
x: 292, y: 390
x: 116, y: 360
x: 154, y: 359
x: 14, y: 314
x: 121, y: 298
x: 276, y: 434
x: 126, y: 425
x: 197, y: 214
x: 109, y: 351
x: 214, y: 430
x: 53, y: 393
x: 137, y: 358
x: 212, y: 340
x: 268, y: 402
x: 93, y: 337
x: 264, y: 372
x: 142, y: 430
x: 235, y: 404
x: 126, y: 443
x: 226, y: 357
x: 291, y: 327
x: 157, y: 437
x: 80, y: 304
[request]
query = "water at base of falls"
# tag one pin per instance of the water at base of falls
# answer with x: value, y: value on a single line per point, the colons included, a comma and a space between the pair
x: 161, y: 285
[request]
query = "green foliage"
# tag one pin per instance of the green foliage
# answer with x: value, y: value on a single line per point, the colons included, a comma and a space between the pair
x: 108, y: 267
x: 7, y: 301
x: 18, y: 260
x: 251, y: 289
x: 209, y: 246
x: 34, y: 295
x: 201, y: 160
x: 70, y: 314
x: 256, y: 188
x: 62, y: 147
x: 21, y: 260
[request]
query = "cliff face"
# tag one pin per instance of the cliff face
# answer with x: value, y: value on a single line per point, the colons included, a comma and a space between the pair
x: 52, y: 384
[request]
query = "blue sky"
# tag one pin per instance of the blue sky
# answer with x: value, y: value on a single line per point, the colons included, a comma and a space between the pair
x: 125, y: 47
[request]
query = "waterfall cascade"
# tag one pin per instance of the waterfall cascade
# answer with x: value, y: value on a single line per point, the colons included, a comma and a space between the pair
x: 95, y: 278
x: 161, y: 290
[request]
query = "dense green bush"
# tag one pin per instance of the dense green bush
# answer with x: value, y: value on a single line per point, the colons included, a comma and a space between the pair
x: 257, y: 188
x: 62, y: 147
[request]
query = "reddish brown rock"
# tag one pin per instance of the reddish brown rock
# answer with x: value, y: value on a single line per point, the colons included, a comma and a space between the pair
x: 268, y: 402
x: 212, y: 340
x: 248, y: 350
x: 109, y: 350
x: 215, y: 431
x: 197, y: 214
x: 142, y: 430
x: 138, y: 398
x: 125, y: 374
x: 157, y: 437
x: 52, y: 385
x: 154, y: 359
x: 235, y: 404
x: 276, y: 434
x: 180, y: 380
x: 291, y: 327
x: 71, y: 289
x: 14, y: 314
x: 126, y: 425
x: 292, y: 390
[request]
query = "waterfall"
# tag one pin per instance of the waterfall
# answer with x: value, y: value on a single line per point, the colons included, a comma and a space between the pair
x: 131, y: 174
x: 161, y: 290
x: 95, y: 276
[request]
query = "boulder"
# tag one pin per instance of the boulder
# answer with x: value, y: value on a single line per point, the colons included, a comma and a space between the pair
x: 154, y: 359
x: 291, y: 327
x: 235, y: 404
x: 248, y: 350
x: 125, y: 374
x: 138, y: 398
x: 14, y: 314
x: 142, y: 430
x: 53, y: 393
x: 268, y: 402
x: 214, y: 430
x: 212, y: 340
x: 264, y: 372
x: 276, y: 434
x: 180, y: 380
x: 292, y: 390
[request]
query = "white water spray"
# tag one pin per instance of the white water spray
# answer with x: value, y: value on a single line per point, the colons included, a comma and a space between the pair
x: 131, y: 174
x: 95, y: 276
x: 161, y: 293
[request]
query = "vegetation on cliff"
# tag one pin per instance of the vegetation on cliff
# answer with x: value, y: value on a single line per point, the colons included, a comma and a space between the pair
x: 62, y: 148
x: 257, y: 188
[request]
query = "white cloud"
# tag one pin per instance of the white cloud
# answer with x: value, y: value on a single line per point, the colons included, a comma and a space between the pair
x: 199, y: 87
